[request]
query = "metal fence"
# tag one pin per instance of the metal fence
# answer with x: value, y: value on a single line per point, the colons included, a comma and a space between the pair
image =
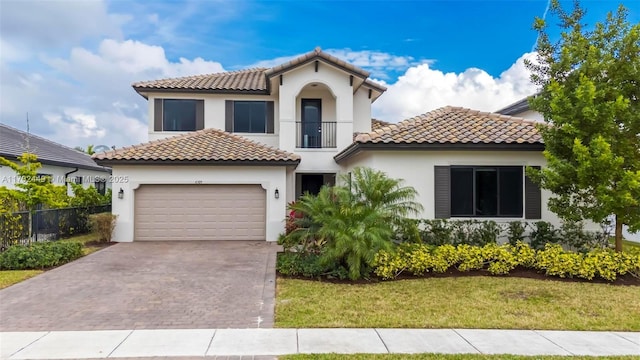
x: 51, y: 224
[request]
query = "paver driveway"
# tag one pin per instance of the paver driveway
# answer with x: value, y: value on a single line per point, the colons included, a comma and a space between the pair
x: 150, y: 285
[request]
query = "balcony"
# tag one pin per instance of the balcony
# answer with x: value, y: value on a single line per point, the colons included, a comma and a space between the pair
x: 315, y: 135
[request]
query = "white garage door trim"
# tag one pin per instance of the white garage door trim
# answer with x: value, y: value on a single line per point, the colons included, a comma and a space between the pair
x: 199, y: 212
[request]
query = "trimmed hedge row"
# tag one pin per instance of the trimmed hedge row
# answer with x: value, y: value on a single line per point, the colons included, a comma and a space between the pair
x: 418, y: 259
x: 40, y: 255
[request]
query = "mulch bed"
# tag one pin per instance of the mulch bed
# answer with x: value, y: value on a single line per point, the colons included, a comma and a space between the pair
x: 99, y: 244
x: 519, y: 272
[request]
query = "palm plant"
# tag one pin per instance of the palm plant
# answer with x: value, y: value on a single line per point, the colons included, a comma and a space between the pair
x: 349, y: 224
x: 374, y: 189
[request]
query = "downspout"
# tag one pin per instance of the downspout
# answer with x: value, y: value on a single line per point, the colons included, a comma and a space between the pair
x: 66, y: 177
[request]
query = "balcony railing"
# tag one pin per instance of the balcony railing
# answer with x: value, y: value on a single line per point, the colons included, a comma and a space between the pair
x: 315, y: 134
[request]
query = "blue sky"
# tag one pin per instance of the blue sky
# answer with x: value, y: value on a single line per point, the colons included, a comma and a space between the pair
x: 69, y: 64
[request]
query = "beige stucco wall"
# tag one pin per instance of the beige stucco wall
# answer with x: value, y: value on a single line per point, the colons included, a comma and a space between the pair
x: 335, y: 88
x: 417, y: 169
x: 129, y: 178
x: 351, y: 112
x: 361, y: 111
x: 214, y: 114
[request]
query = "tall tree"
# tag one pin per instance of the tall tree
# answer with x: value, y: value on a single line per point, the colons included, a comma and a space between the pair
x: 589, y: 89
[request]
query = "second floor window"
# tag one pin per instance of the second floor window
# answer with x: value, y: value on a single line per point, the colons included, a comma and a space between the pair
x: 178, y: 115
x: 250, y: 117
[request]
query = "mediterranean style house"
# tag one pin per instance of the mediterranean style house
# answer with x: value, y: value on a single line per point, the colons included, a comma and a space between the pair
x: 62, y: 164
x: 229, y: 151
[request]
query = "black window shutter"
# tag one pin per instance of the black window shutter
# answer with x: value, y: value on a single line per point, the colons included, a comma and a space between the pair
x: 199, y: 114
x: 442, y: 195
x: 532, y: 198
x: 228, y: 116
x: 270, y: 117
x: 157, y: 115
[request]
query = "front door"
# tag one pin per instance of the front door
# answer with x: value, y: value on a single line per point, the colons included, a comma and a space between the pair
x: 311, y: 123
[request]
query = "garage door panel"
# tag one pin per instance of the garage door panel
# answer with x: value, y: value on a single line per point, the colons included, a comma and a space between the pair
x: 200, y: 212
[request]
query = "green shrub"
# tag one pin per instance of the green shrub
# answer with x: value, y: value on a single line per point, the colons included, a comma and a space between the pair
x: 574, y: 237
x: 408, y: 230
x: 40, y: 255
x: 103, y: 225
x: 543, y: 233
x: 436, y: 232
x: 515, y: 232
x: 307, y: 265
x: 456, y: 232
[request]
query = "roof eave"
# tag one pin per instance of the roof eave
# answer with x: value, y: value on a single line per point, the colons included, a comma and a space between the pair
x: 357, y: 147
x: 362, y: 75
x: 204, y: 91
x: 112, y: 162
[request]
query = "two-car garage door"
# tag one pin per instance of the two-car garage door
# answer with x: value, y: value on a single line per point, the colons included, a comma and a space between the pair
x: 199, y: 212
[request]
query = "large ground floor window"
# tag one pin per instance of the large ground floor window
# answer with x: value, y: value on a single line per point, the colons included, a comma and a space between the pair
x: 487, y: 191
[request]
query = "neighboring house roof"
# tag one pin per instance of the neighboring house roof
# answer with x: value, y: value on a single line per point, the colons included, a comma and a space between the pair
x: 249, y: 81
x: 14, y: 143
x: 208, y: 146
x: 515, y: 108
x: 451, y: 128
x: 245, y: 81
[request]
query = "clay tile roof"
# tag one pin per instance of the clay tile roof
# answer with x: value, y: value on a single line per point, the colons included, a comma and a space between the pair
x: 249, y: 80
x: 316, y: 54
x: 378, y: 124
x: 209, y: 145
x: 455, y: 125
x: 374, y: 85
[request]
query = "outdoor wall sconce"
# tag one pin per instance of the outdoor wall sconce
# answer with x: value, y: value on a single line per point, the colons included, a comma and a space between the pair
x: 277, y: 194
x: 120, y: 194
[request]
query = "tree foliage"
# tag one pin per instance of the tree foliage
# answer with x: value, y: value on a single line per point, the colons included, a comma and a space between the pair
x: 589, y: 89
x: 89, y: 196
x: 33, y: 190
x: 89, y: 150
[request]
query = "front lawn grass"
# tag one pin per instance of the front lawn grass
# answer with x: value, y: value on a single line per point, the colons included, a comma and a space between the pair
x: 627, y: 245
x: 442, y: 357
x: 10, y: 277
x: 458, y: 302
x: 89, y: 242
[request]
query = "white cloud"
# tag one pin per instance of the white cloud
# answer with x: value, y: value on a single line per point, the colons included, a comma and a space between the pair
x: 377, y: 62
x: 86, y: 97
x: 422, y: 89
x: 76, y: 124
x: 48, y: 24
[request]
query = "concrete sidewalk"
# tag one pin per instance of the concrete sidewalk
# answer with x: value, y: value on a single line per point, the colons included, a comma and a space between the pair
x: 272, y: 342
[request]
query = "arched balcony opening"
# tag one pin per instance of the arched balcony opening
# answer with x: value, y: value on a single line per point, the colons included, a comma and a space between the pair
x: 316, y: 118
